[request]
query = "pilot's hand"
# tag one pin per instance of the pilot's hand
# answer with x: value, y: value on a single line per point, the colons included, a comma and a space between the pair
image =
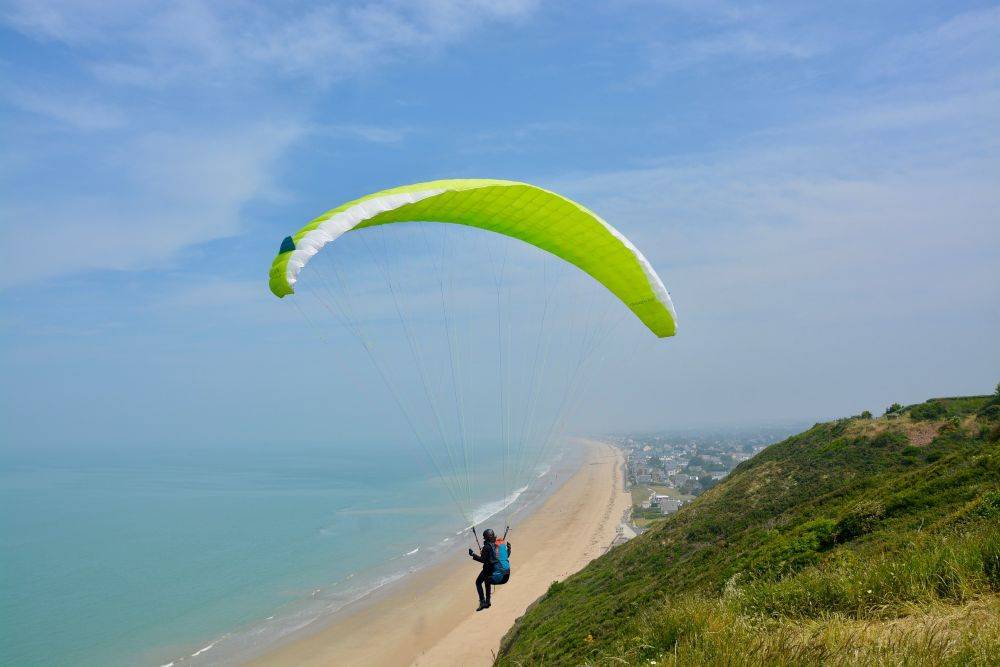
x: 471, y: 552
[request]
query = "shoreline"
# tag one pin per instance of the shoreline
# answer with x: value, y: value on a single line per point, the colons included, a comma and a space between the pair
x: 319, y: 607
x: 429, y: 619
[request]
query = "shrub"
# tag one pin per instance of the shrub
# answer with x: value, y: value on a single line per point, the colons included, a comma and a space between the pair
x: 953, y: 424
x: 929, y: 410
x: 822, y: 531
x: 863, y: 519
x: 791, y: 553
x: 893, y: 409
x: 865, y: 415
x: 991, y: 411
x: 887, y: 438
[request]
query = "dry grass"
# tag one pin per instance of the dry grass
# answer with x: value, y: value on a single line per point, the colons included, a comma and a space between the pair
x: 919, y: 433
x: 695, y: 631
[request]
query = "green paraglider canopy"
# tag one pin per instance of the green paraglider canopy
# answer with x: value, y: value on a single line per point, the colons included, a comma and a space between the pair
x: 531, y: 214
x: 477, y: 368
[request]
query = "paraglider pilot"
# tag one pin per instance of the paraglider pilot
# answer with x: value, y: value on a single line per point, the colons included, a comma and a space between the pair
x: 494, y: 556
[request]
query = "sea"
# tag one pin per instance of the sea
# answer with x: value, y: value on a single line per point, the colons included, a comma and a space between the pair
x: 209, y: 555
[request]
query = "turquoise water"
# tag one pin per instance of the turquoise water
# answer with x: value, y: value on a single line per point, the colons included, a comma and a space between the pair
x: 121, y: 557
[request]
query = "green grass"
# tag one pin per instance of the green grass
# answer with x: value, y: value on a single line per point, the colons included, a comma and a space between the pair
x: 858, y: 541
x: 640, y: 494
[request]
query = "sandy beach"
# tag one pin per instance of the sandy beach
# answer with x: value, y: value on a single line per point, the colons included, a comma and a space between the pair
x: 430, y: 619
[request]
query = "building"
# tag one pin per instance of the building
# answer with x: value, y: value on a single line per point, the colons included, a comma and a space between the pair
x: 667, y: 504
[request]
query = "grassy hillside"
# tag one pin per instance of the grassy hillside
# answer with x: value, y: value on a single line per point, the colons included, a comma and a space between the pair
x: 859, y: 541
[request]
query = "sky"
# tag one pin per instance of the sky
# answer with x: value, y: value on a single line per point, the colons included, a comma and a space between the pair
x: 817, y: 183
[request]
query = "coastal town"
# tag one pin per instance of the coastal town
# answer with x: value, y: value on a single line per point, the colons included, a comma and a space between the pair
x: 668, y: 469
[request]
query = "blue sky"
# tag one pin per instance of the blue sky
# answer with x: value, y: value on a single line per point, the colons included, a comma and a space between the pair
x: 817, y: 183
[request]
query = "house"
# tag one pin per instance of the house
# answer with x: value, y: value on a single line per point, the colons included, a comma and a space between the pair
x: 667, y: 504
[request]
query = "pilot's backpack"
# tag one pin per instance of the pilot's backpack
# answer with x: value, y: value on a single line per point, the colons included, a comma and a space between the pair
x: 501, y: 571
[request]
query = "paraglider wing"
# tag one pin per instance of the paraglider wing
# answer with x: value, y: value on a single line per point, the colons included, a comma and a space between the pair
x: 531, y: 214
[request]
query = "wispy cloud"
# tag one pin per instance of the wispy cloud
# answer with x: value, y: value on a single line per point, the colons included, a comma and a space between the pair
x: 945, y: 49
x: 842, y: 216
x: 711, y: 11
x: 375, y: 134
x: 174, y: 191
x: 156, y: 43
x: 346, y: 40
x: 722, y: 33
x: 191, y: 90
x: 834, y: 223
x: 733, y: 45
x: 862, y: 274
x: 817, y: 187
x: 75, y: 112
x: 519, y: 138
